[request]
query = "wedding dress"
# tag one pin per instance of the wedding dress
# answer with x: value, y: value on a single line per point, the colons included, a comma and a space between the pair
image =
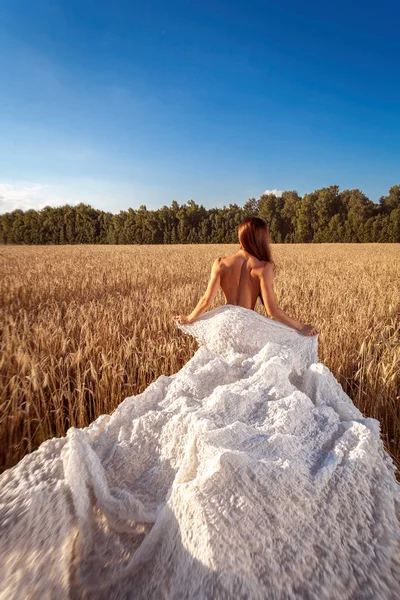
x: 248, y: 474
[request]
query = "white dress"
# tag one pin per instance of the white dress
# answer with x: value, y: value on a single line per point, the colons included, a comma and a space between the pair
x: 248, y: 474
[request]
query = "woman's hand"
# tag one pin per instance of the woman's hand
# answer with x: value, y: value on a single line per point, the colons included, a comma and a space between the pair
x: 309, y: 330
x: 184, y: 319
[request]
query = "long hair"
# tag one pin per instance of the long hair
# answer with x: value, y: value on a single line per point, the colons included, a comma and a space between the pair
x: 255, y: 239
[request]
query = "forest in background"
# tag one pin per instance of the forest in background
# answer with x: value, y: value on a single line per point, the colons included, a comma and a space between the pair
x: 325, y: 215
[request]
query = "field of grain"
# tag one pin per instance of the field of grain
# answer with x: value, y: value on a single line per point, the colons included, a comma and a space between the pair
x: 83, y: 327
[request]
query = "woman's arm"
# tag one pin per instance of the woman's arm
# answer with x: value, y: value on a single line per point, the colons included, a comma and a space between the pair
x: 208, y: 297
x: 271, y: 304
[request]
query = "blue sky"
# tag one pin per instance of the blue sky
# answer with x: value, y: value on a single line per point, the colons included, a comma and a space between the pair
x: 128, y: 103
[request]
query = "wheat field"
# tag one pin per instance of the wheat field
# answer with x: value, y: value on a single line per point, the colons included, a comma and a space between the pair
x: 83, y: 327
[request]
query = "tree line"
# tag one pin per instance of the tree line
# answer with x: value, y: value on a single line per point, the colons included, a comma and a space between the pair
x: 325, y: 215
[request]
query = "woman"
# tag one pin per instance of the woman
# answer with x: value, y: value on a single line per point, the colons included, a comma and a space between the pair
x: 245, y: 276
x: 248, y: 474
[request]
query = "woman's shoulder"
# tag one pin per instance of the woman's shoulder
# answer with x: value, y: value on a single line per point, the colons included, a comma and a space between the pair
x: 263, y: 269
x: 218, y: 263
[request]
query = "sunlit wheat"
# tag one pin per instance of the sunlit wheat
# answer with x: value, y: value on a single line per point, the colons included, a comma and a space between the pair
x: 83, y: 327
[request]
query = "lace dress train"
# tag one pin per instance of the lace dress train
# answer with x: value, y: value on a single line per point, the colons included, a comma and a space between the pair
x: 248, y: 474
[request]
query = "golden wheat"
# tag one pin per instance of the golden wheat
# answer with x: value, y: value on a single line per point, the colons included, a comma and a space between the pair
x: 83, y: 327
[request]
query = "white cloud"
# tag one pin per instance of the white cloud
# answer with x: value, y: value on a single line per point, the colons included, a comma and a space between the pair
x: 278, y: 193
x: 26, y: 195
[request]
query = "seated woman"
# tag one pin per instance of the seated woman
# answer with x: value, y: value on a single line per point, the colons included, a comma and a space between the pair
x: 245, y: 276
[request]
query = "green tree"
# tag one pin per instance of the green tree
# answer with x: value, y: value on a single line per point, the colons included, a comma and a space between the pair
x: 393, y: 230
x: 305, y: 219
x: 391, y: 201
x: 291, y: 200
x: 271, y: 211
x: 359, y: 209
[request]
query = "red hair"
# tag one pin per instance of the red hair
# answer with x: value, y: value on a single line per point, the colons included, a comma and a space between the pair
x: 255, y: 239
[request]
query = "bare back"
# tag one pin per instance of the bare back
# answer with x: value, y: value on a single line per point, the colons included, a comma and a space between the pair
x: 240, y: 280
